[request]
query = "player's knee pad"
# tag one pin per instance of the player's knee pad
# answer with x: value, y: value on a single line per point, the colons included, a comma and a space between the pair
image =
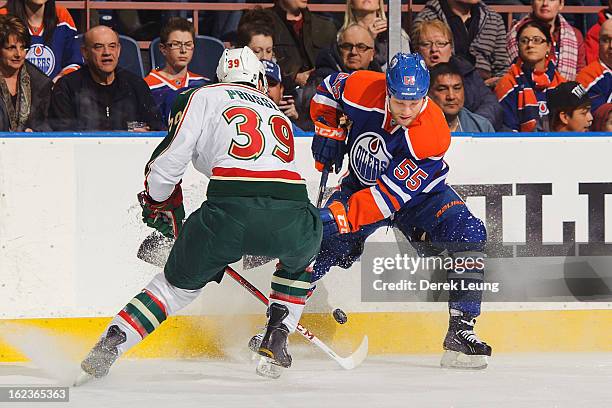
x: 172, y: 298
x: 462, y: 232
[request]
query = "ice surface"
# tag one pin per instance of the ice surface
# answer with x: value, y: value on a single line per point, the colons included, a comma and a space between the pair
x: 513, y: 380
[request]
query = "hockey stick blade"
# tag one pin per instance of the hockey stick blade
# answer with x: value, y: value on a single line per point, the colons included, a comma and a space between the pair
x: 155, y: 249
x: 348, y: 363
x: 82, y: 379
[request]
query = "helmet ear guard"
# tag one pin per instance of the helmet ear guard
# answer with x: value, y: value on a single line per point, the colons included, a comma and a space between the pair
x: 407, y: 77
x: 241, y: 65
x: 264, y: 81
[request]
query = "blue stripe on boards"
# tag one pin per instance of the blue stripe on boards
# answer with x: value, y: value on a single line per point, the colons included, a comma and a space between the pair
x: 299, y: 133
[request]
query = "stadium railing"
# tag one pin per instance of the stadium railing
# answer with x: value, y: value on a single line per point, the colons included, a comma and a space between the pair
x: 88, y: 5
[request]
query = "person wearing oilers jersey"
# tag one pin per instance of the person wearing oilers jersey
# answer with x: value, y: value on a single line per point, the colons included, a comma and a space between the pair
x: 396, y: 146
x: 176, y: 44
x: 54, y: 48
x: 257, y: 204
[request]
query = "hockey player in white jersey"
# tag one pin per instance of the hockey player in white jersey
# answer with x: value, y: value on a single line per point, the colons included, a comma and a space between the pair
x: 256, y: 204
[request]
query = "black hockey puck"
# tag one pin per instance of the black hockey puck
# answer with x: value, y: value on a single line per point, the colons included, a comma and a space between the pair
x: 340, y: 316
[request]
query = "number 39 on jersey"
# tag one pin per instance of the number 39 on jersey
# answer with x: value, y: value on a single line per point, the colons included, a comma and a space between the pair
x: 250, y: 127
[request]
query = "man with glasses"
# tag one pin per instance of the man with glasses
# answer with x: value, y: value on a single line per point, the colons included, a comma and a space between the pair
x: 177, y: 42
x: 353, y: 51
x: 101, y: 96
x: 597, y: 76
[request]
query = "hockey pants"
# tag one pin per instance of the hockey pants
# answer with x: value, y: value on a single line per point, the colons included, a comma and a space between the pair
x: 449, y: 226
x: 219, y: 233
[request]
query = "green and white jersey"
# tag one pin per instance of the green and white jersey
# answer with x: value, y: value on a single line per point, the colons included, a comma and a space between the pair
x: 233, y: 134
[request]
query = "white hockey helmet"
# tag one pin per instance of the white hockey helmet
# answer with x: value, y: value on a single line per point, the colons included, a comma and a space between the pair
x: 241, y: 65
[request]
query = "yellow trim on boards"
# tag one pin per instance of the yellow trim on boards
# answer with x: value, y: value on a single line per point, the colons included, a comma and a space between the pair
x: 389, y: 333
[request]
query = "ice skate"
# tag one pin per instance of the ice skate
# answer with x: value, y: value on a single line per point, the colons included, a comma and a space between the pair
x: 273, y: 347
x: 102, y: 356
x: 463, y: 349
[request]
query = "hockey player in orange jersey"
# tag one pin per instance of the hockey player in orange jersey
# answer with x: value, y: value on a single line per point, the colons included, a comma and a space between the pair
x: 396, y: 177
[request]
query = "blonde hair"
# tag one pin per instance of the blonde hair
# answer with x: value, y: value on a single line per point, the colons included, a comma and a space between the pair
x: 349, y: 15
x: 436, y: 24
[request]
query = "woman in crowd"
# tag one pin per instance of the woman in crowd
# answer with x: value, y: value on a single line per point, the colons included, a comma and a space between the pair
x: 522, y: 91
x: 256, y: 32
x: 370, y: 14
x: 54, y: 48
x: 25, y: 92
x: 568, y: 49
x: 433, y: 39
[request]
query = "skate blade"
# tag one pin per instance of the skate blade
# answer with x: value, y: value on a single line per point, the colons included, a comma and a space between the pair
x: 82, y: 378
x: 456, y: 359
x: 268, y: 369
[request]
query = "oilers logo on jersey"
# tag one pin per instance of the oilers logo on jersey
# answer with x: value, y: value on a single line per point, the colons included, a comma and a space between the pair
x: 42, y: 56
x: 369, y: 157
x: 542, y: 108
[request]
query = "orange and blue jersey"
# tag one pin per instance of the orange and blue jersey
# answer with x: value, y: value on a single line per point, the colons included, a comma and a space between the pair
x: 62, y: 54
x: 390, y: 166
x: 165, y: 90
x: 522, y: 95
x: 597, y: 80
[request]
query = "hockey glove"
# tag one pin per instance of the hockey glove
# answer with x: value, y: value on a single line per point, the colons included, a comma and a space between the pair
x: 334, y: 219
x: 166, y: 216
x: 328, y: 147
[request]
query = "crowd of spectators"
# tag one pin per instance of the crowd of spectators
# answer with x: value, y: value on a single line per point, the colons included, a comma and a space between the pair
x: 536, y: 76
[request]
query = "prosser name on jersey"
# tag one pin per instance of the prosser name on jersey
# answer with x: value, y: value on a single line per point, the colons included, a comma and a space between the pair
x: 256, y: 204
x: 253, y: 142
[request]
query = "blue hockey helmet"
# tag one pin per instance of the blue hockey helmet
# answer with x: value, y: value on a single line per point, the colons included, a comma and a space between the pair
x: 407, y: 77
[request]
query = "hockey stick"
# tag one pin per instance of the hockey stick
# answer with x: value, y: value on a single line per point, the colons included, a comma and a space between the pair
x: 155, y: 255
x: 348, y: 363
x: 322, y: 186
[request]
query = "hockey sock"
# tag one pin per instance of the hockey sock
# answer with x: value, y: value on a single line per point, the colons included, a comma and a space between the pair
x: 466, y: 280
x: 149, y: 309
x: 295, y: 313
x: 291, y: 290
